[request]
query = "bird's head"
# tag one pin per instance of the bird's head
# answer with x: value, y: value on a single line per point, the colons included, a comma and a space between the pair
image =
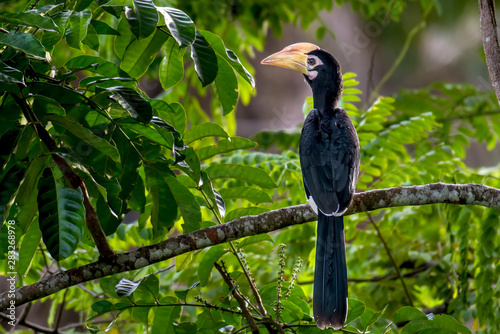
x: 321, y: 70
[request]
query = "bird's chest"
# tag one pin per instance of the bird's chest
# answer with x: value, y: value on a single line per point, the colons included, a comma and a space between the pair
x: 322, y: 134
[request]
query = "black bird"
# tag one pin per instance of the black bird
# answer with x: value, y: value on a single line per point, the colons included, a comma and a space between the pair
x: 329, y: 158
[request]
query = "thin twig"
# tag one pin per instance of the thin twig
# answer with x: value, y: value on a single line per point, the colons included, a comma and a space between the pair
x: 60, y: 311
x: 237, y: 295
x: 90, y: 292
x: 407, y: 292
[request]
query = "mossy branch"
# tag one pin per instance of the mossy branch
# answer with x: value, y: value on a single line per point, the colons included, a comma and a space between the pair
x: 463, y: 194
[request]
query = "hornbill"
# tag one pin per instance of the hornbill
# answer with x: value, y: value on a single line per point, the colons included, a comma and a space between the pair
x: 329, y: 158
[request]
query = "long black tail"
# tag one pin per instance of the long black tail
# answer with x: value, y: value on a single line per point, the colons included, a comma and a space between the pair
x: 330, y: 276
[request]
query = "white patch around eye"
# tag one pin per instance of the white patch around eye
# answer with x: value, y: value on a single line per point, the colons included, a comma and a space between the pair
x: 317, y: 62
x: 311, y: 74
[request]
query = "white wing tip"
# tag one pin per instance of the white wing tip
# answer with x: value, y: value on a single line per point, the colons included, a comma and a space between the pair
x: 313, y: 205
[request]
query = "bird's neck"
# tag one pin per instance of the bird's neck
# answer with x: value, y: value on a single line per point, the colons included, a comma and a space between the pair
x: 327, y: 97
x: 324, y: 102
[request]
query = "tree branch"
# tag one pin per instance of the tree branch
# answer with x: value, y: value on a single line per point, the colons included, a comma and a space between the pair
x: 490, y: 42
x: 91, y: 218
x: 464, y: 194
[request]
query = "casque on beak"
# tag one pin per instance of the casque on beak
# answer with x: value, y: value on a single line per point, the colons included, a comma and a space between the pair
x: 293, y: 57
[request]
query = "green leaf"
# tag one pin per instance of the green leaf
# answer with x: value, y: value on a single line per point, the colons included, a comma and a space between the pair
x: 27, y: 192
x: 253, y: 195
x: 28, y: 247
x: 148, y: 289
x: 249, y: 174
x: 191, y: 159
x: 164, y: 210
x: 108, y: 286
x: 176, y: 143
x: 218, y: 46
x: 182, y: 261
x: 181, y: 294
x: 141, y: 53
x: 320, y: 33
x: 186, y: 328
x: 26, y: 201
x: 180, y: 25
x: 30, y: 19
x: 91, y: 39
x: 204, y: 130
x: 171, y: 66
x: 61, y: 215
x: 440, y: 322
x: 144, y: 130
x: 130, y: 100
x: 86, y: 135
x: 205, y: 60
x: 356, y: 309
x: 82, y: 4
x: 214, y: 198
x: 408, y: 313
x: 49, y: 39
x: 19, y: 150
x: 45, y: 105
x: 368, y: 318
x: 78, y: 24
x: 172, y: 113
x: 207, y: 263
x: 24, y: 42
x: 102, y: 307
x: 165, y: 317
x: 226, y: 86
x: 295, y: 312
x: 121, y: 42
x: 102, y: 28
x: 189, y: 207
x: 141, y: 314
x: 9, y: 74
x: 103, y: 66
x: 225, y: 146
x: 143, y: 18
x: 114, y: 3
x: 46, y: 9
x: 9, y: 78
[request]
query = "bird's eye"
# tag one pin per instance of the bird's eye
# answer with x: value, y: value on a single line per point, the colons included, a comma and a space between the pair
x: 311, y: 61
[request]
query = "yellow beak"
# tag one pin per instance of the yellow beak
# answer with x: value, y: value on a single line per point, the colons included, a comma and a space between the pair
x: 293, y: 57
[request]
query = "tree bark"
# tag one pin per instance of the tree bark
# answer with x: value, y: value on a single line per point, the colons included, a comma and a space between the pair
x: 490, y: 42
x: 463, y: 194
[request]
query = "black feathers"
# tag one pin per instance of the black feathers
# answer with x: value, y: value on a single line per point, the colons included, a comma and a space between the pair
x: 329, y: 158
x: 330, y: 274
